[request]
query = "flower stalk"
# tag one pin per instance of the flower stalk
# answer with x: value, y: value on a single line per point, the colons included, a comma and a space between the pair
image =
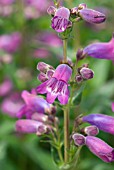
x: 65, y: 50
x: 66, y: 135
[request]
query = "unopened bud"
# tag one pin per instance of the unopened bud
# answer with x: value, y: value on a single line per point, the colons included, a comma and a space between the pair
x: 43, y: 129
x: 51, y: 10
x: 91, y: 16
x: 79, y: 139
x: 91, y: 130
x: 42, y: 77
x: 82, y: 6
x: 78, y: 79
x: 86, y: 73
x: 43, y: 67
x: 80, y: 55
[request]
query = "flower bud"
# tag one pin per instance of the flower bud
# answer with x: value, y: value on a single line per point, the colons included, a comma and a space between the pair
x: 43, y: 129
x: 100, y: 148
x: 51, y: 10
x: 43, y: 67
x: 78, y: 79
x: 79, y: 139
x: 91, y: 16
x: 91, y: 130
x: 86, y: 73
x: 42, y: 77
x: 79, y: 54
x: 103, y: 122
x: 27, y: 126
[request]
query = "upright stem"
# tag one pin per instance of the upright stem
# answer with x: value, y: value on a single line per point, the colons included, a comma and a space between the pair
x: 66, y: 113
x: 66, y: 135
x: 65, y: 50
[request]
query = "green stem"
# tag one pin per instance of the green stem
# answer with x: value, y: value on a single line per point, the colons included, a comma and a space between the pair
x: 65, y: 50
x: 66, y: 135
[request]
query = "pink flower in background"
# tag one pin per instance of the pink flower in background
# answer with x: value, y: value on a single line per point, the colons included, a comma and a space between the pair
x: 5, y: 87
x: 41, y: 53
x: 6, y: 2
x: 113, y: 106
x: 35, y: 8
x: 10, y: 42
x: 12, y: 104
x: 50, y: 39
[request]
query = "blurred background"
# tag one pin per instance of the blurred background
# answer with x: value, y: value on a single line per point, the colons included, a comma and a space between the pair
x: 27, y: 38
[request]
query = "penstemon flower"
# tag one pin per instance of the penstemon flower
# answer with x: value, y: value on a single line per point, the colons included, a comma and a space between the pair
x: 101, y: 50
x: 31, y: 126
x: 100, y: 148
x: 60, y: 21
x: 33, y: 104
x: 103, y: 122
x: 57, y: 85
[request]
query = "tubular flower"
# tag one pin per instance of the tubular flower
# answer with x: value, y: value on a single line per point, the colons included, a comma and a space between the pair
x: 92, y: 16
x: 60, y: 21
x: 100, y: 148
x: 57, y: 85
x: 33, y: 104
x: 103, y: 122
x: 101, y: 50
x: 31, y: 126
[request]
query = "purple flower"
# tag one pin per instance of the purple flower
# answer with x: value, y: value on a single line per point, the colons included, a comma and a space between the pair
x: 101, y: 50
x: 113, y: 106
x: 60, y: 21
x: 92, y: 16
x: 100, y: 148
x: 57, y: 86
x: 33, y: 104
x: 31, y: 126
x: 103, y: 122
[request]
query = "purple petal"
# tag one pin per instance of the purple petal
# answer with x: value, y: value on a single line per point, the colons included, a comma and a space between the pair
x: 51, y: 97
x: 101, y: 50
x: 64, y: 96
x: 59, y: 24
x: 92, y: 16
x: 63, y: 13
x: 42, y: 88
x: 27, y: 126
x: 63, y: 72
x: 100, y: 148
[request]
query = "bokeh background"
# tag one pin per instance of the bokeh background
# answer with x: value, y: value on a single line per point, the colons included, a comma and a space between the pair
x: 27, y: 38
